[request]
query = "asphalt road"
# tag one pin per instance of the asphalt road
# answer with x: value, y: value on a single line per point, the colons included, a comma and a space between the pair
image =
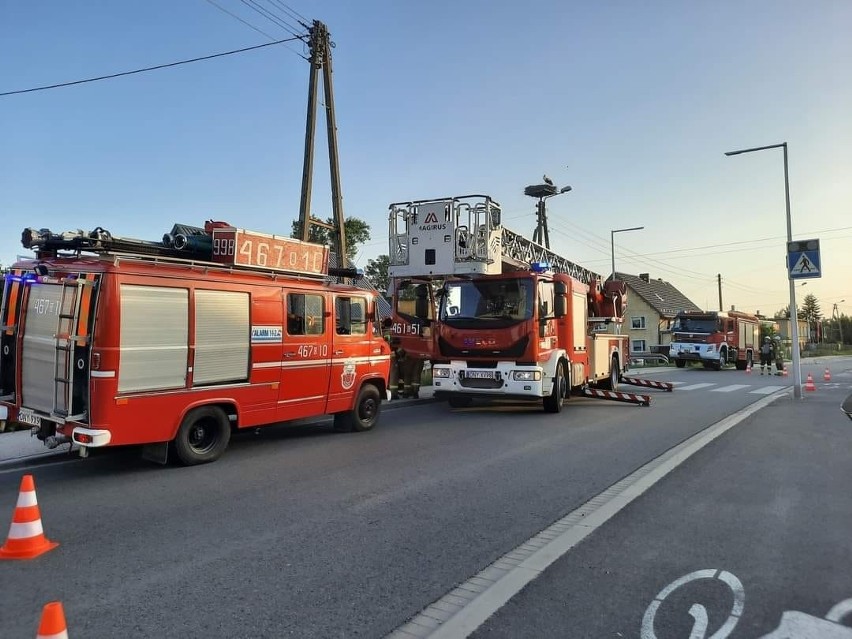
x: 303, y: 532
x: 765, y: 510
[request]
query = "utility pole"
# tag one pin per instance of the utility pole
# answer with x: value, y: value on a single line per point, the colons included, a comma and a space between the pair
x: 719, y: 279
x: 320, y: 45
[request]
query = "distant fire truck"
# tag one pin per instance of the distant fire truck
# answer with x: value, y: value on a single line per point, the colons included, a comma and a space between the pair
x: 110, y: 341
x: 715, y: 339
x: 498, y: 315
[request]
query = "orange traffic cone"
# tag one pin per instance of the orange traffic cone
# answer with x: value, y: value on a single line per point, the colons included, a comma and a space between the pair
x: 52, y: 625
x: 784, y: 372
x: 26, y: 536
x: 827, y: 375
x: 748, y: 368
x: 809, y: 383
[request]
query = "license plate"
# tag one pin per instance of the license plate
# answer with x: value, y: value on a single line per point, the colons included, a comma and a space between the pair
x: 686, y: 349
x: 26, y: 416
x: 479, y: 374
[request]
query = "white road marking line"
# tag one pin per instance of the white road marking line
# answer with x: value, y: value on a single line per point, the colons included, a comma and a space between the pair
x: 766, y: 390
x: 696, y: 386
x: 730, y: 389
x: 487, y: 591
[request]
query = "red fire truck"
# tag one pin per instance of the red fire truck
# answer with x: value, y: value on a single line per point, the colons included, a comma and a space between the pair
x: 715, y: 339
x: 507, y: 317
x: 121, y: 341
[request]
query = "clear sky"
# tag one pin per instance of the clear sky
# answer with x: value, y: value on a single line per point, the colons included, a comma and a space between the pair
x: 631, y: 103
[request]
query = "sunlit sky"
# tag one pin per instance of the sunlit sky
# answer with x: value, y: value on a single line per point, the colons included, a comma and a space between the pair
x: 633, y: 104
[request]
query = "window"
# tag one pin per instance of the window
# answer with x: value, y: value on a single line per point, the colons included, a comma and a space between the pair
x: 637, y: 322
x: 637, y: 346
x: 305, y: 314
x: 351, y: 315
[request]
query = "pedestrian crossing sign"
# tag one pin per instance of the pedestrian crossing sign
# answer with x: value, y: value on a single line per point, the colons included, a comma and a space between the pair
x: 803, y: 259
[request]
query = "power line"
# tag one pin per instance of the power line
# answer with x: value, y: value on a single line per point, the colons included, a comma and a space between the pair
x: 236, y: 17
x: 251, y: 4
x: 298, y: 17
x: 154, y: 68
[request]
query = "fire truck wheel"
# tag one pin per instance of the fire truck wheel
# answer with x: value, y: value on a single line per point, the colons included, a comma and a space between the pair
x: 611, y: 382
x: 365, y: 414
x: 203, y: 436
x: 680, y: 363
x: 553, y: 403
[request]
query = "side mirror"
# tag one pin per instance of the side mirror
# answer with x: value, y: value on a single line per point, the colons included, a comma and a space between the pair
x: 560, y: 300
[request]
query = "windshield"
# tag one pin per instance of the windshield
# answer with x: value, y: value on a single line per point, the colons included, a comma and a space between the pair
x: 692, y: 325
x: 487, y: 300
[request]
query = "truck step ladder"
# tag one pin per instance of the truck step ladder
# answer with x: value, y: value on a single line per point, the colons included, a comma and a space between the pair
x: 617, y: 396
x: 66, y: 343
x: 650, y: 383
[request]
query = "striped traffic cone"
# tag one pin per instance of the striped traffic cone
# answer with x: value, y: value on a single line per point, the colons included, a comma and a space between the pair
x: 748, y: 368
x: 26, y: 536
x: 52, y: 625
x: 809, y: 383
x: 827, y: 375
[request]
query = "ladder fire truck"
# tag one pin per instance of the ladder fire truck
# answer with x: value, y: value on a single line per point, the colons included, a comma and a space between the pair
x: 715, y: 339
x: 497, y: 314
x: 109, y: 341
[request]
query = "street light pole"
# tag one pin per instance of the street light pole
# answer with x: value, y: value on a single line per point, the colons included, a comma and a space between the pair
x: 794, y: 316
x: 612, y: 242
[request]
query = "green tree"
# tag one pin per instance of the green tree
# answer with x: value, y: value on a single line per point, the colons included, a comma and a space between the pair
x: 784, y: 313
x: 357, y: 232
x: 810, y: 308
x: 377, y: 272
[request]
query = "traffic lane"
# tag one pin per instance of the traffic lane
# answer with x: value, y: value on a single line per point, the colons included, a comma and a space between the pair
x: 322, y: 533
x: 767, y: 504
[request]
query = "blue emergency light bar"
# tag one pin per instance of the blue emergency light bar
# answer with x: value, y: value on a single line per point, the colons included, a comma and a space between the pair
x: 540, y: 267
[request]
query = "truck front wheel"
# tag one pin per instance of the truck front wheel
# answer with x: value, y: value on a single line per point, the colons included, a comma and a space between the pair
x: 680, y: 363
x: 553, y: 402
x: 364, y: 415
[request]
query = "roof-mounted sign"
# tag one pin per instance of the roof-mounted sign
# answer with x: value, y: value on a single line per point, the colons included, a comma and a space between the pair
x: 239, y: 247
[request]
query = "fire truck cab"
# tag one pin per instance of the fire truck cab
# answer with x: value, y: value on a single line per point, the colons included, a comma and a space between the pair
x: 107, y: 347
x: 498, y: 315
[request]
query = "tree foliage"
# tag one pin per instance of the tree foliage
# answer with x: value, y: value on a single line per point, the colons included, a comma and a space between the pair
x: 377, y: 272
x: 357, y: 232
x: 810, y: 308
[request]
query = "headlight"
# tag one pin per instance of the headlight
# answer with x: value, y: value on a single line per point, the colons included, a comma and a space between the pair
x: 711, y: 348
x: 441, y: 372
x: 526, y: 376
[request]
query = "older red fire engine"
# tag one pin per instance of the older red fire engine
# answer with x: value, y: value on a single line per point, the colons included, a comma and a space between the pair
x: 124, y: 341
x: 499, y: 315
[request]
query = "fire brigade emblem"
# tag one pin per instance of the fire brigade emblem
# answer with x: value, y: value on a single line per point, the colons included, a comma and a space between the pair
x: 347, y: 378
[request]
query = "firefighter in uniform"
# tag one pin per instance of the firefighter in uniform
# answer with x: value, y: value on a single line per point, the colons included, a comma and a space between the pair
x: 398, y: 357
x: 412, y: 371
x: 767, y: 352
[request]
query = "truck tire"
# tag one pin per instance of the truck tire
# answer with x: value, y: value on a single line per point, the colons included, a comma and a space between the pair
x: 364, y: 415
x: 561, y: 389
x: 459, y: 401
x: 611, y: 382
x: 680, y: 363
x: 203, y: 436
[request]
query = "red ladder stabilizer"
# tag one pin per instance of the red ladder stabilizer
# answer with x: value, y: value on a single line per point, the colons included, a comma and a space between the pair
x: 616, y: 396
x: 650, y: 383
